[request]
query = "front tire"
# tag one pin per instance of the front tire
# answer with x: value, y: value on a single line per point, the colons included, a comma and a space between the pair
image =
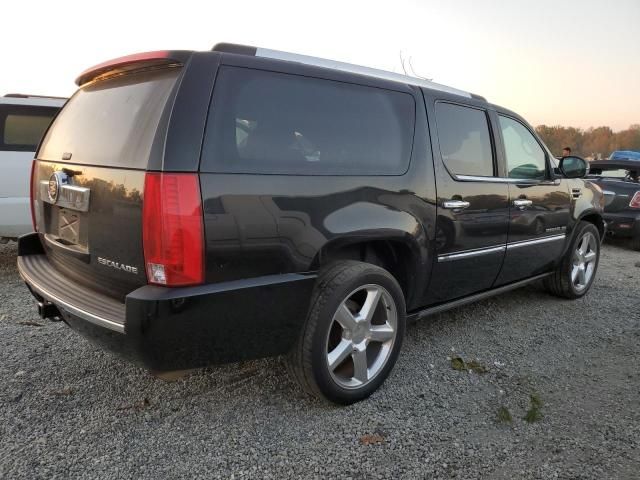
x: 352, y: 335
x: 575, y: 274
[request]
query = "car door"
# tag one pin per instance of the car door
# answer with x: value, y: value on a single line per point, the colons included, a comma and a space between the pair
x: 472, y: 201
x: 539, y: 203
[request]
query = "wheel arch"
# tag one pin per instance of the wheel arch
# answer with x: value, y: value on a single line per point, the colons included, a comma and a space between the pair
x: 400, y: 254
x: 594, y: 217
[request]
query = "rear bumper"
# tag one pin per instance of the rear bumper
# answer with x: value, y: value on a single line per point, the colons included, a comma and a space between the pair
x: 177, y: 328
x: 624, y: 224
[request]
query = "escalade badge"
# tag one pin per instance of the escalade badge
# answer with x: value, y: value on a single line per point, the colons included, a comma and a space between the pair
x: 55, y: 182
x: 117, y: 265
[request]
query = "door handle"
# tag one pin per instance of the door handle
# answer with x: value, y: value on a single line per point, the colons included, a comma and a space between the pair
x: 455, y: 204
x: 522, y: 203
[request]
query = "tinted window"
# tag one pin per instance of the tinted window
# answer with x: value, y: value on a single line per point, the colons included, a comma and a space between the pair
x: 266, y: 122
x: 22, y: 127
x: 111, y: 122
x: 465, y: 142
x: 525, y: 156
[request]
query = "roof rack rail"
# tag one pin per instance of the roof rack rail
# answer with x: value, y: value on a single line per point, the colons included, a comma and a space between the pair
x: 335, y: 65
x: 25, y: 95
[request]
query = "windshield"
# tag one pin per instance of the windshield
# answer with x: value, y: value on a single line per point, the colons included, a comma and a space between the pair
x: 111, y: 122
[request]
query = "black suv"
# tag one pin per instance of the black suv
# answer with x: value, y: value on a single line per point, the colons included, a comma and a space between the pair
x: 194, y: 208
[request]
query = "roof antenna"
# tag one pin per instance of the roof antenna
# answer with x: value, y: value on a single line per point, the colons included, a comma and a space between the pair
x: 415, y: 74
x: 404, y: 69
x: 412, y: 72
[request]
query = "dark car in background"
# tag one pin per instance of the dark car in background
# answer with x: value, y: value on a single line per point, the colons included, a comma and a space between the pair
x: 625, y: 155
x: 197, y: 208
x: 620, y: 183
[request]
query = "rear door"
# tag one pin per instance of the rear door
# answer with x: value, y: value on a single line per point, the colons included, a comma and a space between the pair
x: 89, y: 180
x: 472, y: 201
x: 539, y: 203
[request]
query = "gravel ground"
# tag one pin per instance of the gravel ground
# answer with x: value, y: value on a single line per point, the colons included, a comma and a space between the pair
x: 68, y: 409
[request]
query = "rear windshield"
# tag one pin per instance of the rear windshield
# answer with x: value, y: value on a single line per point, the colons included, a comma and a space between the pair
x: 111, y: 122
x: 22, y: 126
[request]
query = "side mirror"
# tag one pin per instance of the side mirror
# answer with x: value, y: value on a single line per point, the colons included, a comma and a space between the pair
x: 573, y: 167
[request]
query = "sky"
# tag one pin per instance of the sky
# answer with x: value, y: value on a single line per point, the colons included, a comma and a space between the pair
x: 572, y: 63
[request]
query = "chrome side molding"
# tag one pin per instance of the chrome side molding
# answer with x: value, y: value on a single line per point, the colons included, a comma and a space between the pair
x: 498, y: 248
x: 536, y: 241
x: 470, y: 253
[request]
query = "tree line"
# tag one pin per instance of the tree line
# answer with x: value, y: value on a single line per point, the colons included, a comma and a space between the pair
x: 592, y: 143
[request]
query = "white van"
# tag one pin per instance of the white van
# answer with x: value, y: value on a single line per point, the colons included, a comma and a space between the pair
x: 23, y: 120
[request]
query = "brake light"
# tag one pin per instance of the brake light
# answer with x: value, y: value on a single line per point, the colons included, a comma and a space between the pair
x: 31, y: 198
x: 635, y: 201
x: 172, y: 231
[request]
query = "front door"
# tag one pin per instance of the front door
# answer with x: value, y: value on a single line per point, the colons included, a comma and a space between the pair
x: 472, y: 202
x: 539, y: 204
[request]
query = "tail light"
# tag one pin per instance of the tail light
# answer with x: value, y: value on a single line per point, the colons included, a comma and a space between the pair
x: 31, y: 196
x: 172, y: 231
x: 635, y: 201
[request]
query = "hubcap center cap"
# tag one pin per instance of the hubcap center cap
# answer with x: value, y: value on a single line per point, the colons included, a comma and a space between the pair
x: 360, y: 333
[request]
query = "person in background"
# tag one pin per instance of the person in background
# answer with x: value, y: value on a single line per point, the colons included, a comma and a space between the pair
x: 566, y: 151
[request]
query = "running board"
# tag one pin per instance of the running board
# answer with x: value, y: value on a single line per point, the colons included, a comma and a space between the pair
x: 472, y: 298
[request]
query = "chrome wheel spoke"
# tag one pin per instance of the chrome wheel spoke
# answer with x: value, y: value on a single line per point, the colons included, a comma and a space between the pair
x: 339, y: 354
x: 370, y: 304
x: 584, y: 245
x: 345, y: 318
x: 360, y: 368
x: 582, y: 278
x: 589, y: 257
x: 381, y: 333
x: 574, y: 273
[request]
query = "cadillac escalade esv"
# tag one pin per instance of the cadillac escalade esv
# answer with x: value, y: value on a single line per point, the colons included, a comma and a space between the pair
x: 196, y: 208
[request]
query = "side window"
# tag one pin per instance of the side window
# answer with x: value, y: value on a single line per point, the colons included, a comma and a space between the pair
x: 268, y: 122
x: 22, y: 127
x: 525, y: 156
x: 465, y: 142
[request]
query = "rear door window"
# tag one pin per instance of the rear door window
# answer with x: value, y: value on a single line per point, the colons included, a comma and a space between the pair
x: 22, y: 126
x: 111, y: 122
x: 465, y: 141
x: 276, y: 123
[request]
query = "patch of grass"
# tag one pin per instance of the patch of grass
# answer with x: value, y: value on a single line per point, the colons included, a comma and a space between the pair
x: 504, y: 415
x: 477, y: 367
x: 534, y: 414
x: 457, y: 363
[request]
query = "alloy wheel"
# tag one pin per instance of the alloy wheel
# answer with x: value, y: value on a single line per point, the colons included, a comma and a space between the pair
x: 361, y: 336
x: 584, y: 261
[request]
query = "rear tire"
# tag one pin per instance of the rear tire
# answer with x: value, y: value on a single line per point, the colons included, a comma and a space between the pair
x: 575, y: 274
x: 352, y: 335
x: 635, y: 242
